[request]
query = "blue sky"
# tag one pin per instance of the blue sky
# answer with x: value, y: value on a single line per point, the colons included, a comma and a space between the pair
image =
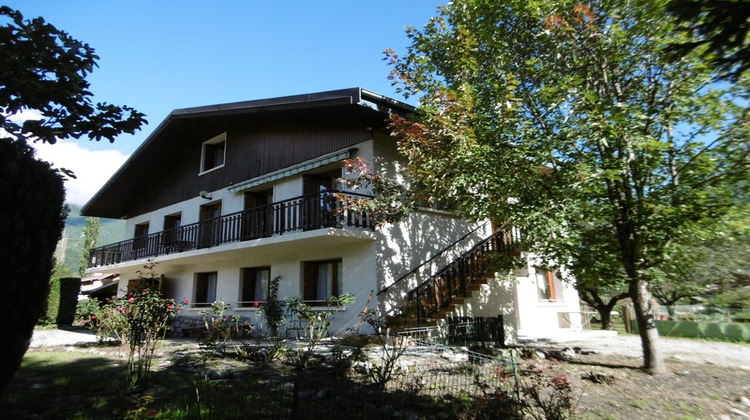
x: 160, y: 55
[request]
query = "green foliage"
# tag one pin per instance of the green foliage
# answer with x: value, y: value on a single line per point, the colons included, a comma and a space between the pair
x: 222, y: 328
x: 147, y: 316
x: 391, y: 348
x: 42, y: 69
x: 576, y: 124
x: 110, y: 231
x: 53, y: 299
x: 108, y: 322
x: 70, y: 287
x: 140, y: 319
x: 537, y: 392
x: 90, y: 233
x: 272, y: 309
x: 45, y: 69
x: 313, y: 324
x: 719, y: 29
x: 31, y: 222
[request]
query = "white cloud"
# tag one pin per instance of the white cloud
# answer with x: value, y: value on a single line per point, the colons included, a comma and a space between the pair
x: 92, y: 168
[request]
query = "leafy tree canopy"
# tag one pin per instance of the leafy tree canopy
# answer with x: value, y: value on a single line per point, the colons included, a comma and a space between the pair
x: 43, y: 69
x: 577, y: 124
x: 720, y: 27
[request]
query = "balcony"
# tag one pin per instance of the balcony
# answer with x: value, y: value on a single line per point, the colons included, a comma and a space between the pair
x: 313, y: 211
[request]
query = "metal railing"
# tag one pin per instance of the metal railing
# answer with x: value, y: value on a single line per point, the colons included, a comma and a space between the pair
x: 327, y: 209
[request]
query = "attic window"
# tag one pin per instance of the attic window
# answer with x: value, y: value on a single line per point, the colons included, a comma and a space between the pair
x: 213, y: 153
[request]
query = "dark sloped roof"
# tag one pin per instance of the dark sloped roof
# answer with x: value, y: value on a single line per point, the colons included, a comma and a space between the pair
x: 147, y: 162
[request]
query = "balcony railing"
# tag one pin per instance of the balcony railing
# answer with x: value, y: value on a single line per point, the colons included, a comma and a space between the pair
x: 326, y: 209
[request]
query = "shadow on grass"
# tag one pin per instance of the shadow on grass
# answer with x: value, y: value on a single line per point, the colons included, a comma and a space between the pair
x: 66, y: 385
x: 62, y: 385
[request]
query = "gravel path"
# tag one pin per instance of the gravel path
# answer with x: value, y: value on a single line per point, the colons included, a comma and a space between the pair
x: 697, y: 351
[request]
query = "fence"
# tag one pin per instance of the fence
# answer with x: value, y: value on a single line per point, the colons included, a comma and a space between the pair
x: 428, y: 381
x: 468, y: 330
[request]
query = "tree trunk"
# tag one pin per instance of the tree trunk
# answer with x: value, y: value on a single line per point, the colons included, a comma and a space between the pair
x: 671, y: 311
x: 653, y: 362
x: 606, y: 317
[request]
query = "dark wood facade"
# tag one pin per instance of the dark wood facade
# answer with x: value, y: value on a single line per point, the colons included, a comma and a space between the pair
x: 262, y: 137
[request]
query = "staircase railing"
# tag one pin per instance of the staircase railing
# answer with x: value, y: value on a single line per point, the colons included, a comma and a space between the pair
x: 416, y: 270
x: 454, y: 280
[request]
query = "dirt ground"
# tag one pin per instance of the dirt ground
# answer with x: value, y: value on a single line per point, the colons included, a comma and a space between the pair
x: 705, y: 379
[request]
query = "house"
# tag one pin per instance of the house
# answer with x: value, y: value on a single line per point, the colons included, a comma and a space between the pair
x: 225, y: 198
x: 101, y: 287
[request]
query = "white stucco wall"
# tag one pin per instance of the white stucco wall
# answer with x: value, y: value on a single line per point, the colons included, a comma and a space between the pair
x: 542, y: 319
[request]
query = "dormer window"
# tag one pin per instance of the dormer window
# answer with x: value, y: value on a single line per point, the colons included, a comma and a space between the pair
x: 213, y: 154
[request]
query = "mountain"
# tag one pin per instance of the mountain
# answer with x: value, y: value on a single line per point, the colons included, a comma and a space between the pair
x: 110, y: 231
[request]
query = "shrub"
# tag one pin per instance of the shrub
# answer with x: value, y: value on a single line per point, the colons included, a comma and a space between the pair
x: 312, y: 325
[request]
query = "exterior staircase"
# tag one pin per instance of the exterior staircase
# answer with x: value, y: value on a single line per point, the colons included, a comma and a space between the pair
x: 452, y: 285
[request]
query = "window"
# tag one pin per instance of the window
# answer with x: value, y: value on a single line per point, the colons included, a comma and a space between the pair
x: 173, y: 221
x: 209, y: 233
x: 321, y: 279
x: 548, y: 285
x: 140, y: 240
x: 214, y: 153
x: 257, y: 219
x: 205, y: 289
x: 171, y: 236
x: 254, y: 284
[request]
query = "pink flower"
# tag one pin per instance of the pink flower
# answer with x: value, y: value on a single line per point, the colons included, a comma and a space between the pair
x: 179, y: 308
x: 170, y: 307
x: 93, y: 317
x: 131, y: 300
x: 184, y: 301
x: 256, y: 304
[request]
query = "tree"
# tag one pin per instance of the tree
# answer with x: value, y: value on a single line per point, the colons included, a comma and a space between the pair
x: 43, y: 70
x: 576, y: 124
x: 597, y: 274
x: 709, y: 261
x: 31, y: 219
x: 90, y: 233
x: 719, y: 28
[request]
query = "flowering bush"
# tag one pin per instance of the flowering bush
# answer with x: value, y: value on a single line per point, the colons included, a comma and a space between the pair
x: 147, y: 316
x: 139, y: 319
x: 107, y: 321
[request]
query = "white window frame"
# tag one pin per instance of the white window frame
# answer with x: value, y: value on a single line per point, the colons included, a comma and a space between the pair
x: 221, y: 138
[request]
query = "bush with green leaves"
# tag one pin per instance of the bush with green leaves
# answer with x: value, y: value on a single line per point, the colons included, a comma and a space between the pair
x: 141, y: 320
x: 222, y: 328
x: 534, y: 392
x: 312, y: 325
x: 272, y: 308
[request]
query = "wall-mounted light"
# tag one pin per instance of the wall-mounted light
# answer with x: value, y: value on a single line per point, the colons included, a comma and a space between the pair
x: 205, y: 194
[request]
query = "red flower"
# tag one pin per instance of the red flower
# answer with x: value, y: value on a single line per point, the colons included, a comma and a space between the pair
x: 179, y: 308
x: 93, y: 317
x: 184, y: 301
x: 170, y: 307
x: 370, y: 321
x: 131, y: 300
x: 151, y: 413
x: 256, y: 303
